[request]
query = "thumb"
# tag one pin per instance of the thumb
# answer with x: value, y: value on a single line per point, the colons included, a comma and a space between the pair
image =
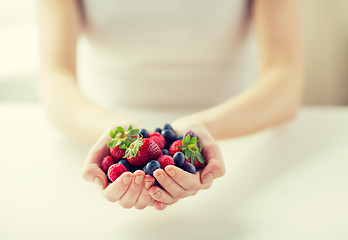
x: 215, y: 167
x: 93, y: 173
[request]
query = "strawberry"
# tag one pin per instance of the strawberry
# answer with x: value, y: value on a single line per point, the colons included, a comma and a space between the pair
x: 159, y: 139
x: 196, y: 163
x: 143, y: 150
x: 117, y: 153
x: 165, y: 160
x: 115, y: 171
x: 174, y: 147
x: 188, y: 146
x: 106, y: 163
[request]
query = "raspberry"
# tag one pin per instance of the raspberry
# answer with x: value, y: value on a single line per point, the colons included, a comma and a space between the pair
x: 158, y: 139
x: 106, y: 163
x: 115, y: 171
x: 165, y: 160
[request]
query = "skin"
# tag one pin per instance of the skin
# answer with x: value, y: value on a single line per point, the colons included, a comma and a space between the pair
x: 273, y: 100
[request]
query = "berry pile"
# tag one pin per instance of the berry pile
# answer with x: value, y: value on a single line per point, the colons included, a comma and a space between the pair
x: 136, y: 149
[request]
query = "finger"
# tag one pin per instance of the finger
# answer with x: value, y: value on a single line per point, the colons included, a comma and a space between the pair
x: 144, y: 198
x: 148, y: 181
x: 175, y: 190
x: 152, y: 202
x: 115, y: 190
x: 159, y: 205
x: 161, y: 195
x: 187, y: 181
x: 130, y: 197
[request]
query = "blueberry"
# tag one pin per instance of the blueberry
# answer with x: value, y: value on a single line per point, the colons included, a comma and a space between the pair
x: 167, y: 146
x: 165, y: 151
x: 127, y: 164
x: 179, y: 138
x: 151, y: 167
x: 179, y: 159
x: 168, y: 126
x: 188, y: 167
x: 169, y: 135
x: 144, y: 133
x: 158, y: 130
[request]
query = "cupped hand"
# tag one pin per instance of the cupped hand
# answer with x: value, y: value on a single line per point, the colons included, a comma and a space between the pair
x: 130, y: 189
x: 179, y: 184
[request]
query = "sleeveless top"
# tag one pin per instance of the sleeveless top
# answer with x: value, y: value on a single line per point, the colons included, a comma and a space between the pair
x: 165, y: 57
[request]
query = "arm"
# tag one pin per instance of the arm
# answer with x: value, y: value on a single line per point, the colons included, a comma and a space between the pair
x: 272, y: 100
x: 69, y: 110
x: 276, y: 96
x: 66, y: 108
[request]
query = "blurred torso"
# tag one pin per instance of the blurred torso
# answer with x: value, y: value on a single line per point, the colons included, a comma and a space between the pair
x: 186, y: 54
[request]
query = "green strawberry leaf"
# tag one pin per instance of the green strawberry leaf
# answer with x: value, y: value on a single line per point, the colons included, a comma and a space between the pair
x: 119, y: 129
x: 133, y: 132
x: 187, y: 139
x: 123, y: 146
x: 200, y: 159
x: 112, y: 134
x: 133, y: 148
x: 193, y: 158
x: 130, y: 128
x: 112, y: 143
x: 187, y: 154
x: 182, y: 147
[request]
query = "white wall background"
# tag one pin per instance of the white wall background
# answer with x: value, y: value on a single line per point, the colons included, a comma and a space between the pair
x: 18, y: 50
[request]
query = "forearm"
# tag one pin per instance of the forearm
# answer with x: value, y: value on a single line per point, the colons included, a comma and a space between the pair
x: 71, y: 112
x: 274, y: 99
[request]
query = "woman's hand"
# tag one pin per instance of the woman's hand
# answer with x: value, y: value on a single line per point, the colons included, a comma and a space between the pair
x: 180, y: 184
x: 130, y: 189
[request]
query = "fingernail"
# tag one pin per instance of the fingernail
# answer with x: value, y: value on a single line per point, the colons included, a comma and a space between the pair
x: 127, y: 180
x: 161, y: 178
x: 171, y: 173
x: 139, y: 179
x: 157, y: 195
x: 207, y: 178
x: 148, y: 185
x: 99, y: 182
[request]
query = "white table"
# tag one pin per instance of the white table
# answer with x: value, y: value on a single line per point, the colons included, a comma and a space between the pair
x: 289, y: 182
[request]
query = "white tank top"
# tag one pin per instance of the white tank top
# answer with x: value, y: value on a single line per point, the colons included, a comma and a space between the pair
x: 175, y: 54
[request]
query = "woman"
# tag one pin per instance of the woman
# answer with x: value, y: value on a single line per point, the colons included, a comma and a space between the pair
x: 187, y: 60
